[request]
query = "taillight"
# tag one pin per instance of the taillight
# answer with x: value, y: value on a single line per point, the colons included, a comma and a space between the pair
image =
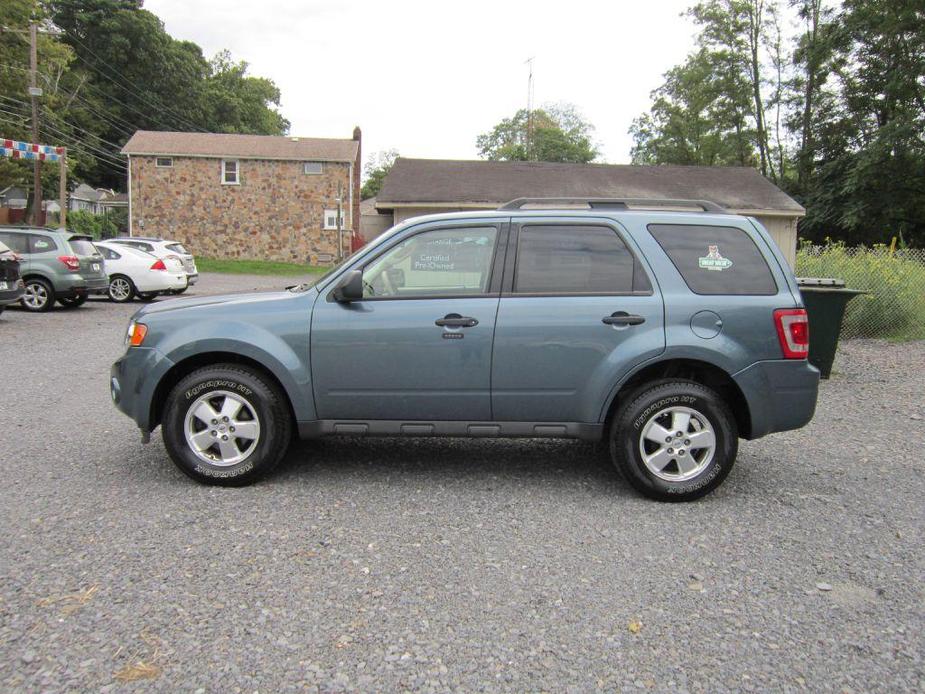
x: 70, y: 262
x: 793, y: 332
x: 158, y: 265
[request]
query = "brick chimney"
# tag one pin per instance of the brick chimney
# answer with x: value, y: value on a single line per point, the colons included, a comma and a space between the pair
x: 355, y: 212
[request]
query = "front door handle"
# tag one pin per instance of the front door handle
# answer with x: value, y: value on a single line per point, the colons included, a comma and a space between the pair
x: 454, y: 320
x: 623, y: 318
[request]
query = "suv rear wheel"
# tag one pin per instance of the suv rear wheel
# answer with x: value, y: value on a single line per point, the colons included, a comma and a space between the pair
x: 674, y: 440
x: 226, y: 425
x: 39, y: 295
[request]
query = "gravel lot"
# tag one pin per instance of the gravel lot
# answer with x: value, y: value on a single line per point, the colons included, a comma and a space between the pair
x: 441, y: 565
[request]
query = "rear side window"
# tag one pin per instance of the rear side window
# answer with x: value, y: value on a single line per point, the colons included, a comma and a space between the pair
x: 15, y: 242
x: 715, y: 259
x: 575, y: 259
x: 42, y: 244
x: 83, y: 247
x: 108, y: 253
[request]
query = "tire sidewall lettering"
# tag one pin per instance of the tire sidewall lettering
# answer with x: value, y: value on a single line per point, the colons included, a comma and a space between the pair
x: 217, y: 384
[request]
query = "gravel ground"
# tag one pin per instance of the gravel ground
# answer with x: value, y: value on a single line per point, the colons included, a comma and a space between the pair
x: 438, y: 564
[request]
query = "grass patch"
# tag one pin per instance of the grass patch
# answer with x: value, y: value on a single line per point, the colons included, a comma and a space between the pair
x: 894, y: 307
x: 256, y: 267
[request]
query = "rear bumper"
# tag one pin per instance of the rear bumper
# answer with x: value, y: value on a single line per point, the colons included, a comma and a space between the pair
x: 133, y: 379
x: 13, y: 294
x: 192, y: 278
x: 781, y: 394
x: 73, y: 285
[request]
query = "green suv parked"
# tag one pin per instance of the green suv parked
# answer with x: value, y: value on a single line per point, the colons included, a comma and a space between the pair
x: 56, y: 265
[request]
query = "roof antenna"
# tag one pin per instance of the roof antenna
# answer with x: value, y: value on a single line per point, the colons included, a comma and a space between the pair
x: 529, y: 137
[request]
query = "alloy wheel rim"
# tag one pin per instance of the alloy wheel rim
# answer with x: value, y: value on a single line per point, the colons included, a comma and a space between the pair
x: 677, y: 443
x: 119, y: 289
x: 35, y: 296
x: 221, y: 428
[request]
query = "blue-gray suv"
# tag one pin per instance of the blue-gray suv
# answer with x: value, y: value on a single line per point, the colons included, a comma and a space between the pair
x: 667, y: 332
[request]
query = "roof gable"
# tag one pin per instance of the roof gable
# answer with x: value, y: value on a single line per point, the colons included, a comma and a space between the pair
x: 430, y: 181
x: 150, y: 142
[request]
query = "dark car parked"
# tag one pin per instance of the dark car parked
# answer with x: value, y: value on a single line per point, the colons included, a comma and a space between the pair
x: 11, y: 285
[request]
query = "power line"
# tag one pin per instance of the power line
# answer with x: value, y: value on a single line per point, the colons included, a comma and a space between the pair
x: 73, y: 125
x: 100, y: 154
x: 127, y: 84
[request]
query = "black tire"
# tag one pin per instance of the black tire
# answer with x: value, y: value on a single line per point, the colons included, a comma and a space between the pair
x: 146, y: 296
x: 121, y: 289
x: 73, y: 301
x: 691, y: 472
x: 39, y: 296
x: 263, y: 401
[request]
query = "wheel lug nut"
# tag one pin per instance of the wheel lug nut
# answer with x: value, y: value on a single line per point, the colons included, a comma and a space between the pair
x: 224, y: 419
x: 671, y: 450
x: 679, y: 434
x: 668, y: 440
x: 224, y: 437
x: 681, y: 452
x: 215, y: 421
x: 230, y: 428
x: 687, y: 442
x: 214, y: 433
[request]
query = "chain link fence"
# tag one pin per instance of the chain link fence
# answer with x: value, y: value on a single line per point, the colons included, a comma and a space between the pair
x: 894, y: 306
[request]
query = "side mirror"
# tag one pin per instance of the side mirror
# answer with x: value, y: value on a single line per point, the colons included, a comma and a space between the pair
x: 350, y: 288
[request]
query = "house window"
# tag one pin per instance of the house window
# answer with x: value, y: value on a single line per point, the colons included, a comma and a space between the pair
x: 330, y: 219
x: 163, y: 162
x: 313, y: 167
x: 231, y: 174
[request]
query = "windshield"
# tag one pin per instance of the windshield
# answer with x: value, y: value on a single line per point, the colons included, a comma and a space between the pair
x: 83, y: 246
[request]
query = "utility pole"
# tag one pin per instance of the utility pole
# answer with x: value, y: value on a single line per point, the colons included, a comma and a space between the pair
x: 62, y: 189
x: 529, y: 62
x: 35, y: 92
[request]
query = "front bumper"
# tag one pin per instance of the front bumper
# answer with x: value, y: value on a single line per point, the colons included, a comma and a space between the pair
x: 133, y: 380
x: 781, y: 394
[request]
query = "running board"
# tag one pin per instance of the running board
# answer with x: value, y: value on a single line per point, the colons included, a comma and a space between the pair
x: 395, y: 427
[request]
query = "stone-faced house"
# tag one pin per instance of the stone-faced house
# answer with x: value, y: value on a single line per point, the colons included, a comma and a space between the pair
x: 427, y: 186
x: 262, y: 197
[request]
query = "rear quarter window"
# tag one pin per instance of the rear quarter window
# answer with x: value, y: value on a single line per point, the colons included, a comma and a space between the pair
x: 83, y: 247
x: 42, y: 244
x: 715, y: 259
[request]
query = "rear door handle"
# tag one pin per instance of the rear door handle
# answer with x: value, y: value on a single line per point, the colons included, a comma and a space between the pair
x: 623, y: 318
x: 454, y: 320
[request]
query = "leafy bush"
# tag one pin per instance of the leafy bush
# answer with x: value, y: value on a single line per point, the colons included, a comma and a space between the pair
x: 894, y: 306
x: 99, y: 226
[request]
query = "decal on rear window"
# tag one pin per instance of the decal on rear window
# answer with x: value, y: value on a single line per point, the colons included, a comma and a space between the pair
x: 713, y: 260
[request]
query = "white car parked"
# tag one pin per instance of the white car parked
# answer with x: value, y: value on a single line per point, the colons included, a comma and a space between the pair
x: 163, y: 248
x: 136, y: 273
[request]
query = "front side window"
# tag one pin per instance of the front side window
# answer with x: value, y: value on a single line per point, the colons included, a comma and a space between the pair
x: 442, y: 262
x: 330, y: 219
x: 230, y: 172
x: 575, y: 259
x: 15, y: 242
x: 715, y: 259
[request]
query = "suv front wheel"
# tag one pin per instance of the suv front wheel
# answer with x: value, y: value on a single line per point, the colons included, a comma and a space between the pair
x: 674, y: 440
x: 226, y: 424
x: 39, y: 295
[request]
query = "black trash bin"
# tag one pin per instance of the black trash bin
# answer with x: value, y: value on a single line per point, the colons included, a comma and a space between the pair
x: 825, y: 300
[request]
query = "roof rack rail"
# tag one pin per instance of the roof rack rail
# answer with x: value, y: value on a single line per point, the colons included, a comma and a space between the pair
x: 615, y: 203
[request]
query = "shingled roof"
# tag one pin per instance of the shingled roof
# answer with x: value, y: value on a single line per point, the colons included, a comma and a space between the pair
x: 430, y: 182
x: 150, y: 142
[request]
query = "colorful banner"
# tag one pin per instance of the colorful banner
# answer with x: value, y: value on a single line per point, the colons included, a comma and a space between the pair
x: 26, y: 150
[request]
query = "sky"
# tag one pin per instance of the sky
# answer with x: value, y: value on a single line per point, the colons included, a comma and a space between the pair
x: 426, y: 78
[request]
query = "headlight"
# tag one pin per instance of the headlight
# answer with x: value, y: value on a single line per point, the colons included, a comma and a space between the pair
x: 136, y: 334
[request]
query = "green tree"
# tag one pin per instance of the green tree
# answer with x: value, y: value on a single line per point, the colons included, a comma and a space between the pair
x: 869, y: 171
x: 699, y: 116
x: 377, y: 167
x: 555, y: 132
